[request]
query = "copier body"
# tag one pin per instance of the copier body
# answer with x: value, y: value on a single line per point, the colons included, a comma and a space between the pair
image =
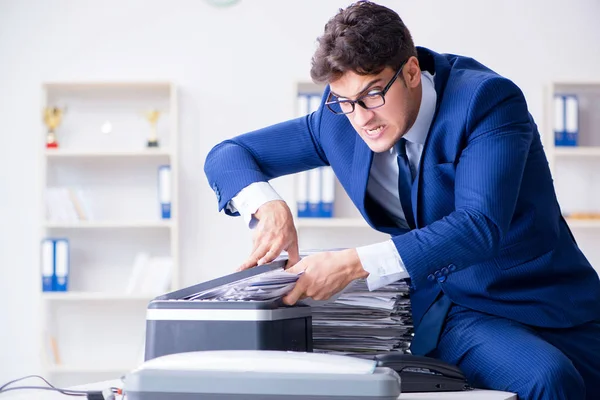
x: 260, y: 375
x: 175, y: 325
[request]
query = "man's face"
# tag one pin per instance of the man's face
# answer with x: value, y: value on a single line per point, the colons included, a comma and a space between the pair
x: 382, y: 127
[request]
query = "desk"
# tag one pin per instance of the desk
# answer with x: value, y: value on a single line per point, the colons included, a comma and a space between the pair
x: 467, y: 395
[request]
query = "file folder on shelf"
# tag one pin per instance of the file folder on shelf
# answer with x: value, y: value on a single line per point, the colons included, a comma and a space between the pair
x: 302, y: 194
x: 327, y: 192
x: 47, y: 262
x: 571, y: 120
x: 559, y: 120
x: 566, y: 120
x: 164, y: 191
x: 61, y: 265
x: 314, y: 192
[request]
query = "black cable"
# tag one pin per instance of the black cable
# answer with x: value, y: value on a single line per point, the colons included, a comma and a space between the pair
x: 91, y: 394
x: 80, y: 393
x: 23, y: 378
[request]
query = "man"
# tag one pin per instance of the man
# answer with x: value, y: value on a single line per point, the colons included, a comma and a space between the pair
x: 449, y: 162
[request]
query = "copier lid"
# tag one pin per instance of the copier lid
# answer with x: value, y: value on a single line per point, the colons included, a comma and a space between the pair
x: 265, y: 361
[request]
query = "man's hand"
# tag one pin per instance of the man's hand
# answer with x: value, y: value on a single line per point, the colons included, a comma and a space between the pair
x: 325, y: 274
x: 274, y: 233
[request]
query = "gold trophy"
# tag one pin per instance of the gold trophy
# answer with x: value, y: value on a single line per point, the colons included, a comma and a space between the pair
x: 152, y: 117
x: 52, y: 119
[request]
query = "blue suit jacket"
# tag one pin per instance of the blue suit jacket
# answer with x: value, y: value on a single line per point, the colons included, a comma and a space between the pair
x: 489, y: 229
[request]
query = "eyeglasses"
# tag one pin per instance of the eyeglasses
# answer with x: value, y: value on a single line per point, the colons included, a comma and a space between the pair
x: 370, y: 100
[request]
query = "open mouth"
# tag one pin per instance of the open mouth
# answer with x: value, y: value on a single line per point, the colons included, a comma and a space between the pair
x: 375, y: 132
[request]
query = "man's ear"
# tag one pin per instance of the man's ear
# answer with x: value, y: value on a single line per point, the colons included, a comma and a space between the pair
x: 412, y: 72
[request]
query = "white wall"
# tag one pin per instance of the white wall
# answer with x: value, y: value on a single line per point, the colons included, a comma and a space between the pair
x: 236, y: 69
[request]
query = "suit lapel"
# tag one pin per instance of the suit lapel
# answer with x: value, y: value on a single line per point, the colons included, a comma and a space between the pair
x: 361, y: 167
x: 430, y: 61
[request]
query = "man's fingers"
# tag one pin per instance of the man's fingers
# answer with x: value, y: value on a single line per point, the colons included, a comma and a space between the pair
x: 297, y: 292
x: 293, y: 255
x: 297, y: 268
x: 256, y: 255
x: 270, y: 255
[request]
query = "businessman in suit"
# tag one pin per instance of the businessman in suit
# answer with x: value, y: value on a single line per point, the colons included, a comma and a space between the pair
x: 441, y: 153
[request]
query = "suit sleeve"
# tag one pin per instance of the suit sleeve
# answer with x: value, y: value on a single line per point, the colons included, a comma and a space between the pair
x: 487, y: 181
x: 262, y: 155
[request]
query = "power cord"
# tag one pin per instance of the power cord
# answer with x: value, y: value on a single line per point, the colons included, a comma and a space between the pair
x: 106, y: 394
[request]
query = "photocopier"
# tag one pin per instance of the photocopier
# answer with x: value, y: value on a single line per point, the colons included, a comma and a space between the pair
x: 178, y: 322
x: 199, y: 346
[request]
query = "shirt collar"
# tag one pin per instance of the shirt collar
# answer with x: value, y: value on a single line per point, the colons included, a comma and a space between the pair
x: 418, y: 132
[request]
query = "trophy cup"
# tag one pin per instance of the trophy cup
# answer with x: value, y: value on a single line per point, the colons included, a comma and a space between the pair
x: 52, y: 119
x: 152, y: 116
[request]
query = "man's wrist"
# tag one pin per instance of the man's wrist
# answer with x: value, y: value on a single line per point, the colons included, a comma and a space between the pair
x: 356, y: 270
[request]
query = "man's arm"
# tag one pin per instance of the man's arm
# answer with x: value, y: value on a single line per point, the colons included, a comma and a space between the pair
x: 262, y: 155
x: 249, y: 200
x: 487, y: 182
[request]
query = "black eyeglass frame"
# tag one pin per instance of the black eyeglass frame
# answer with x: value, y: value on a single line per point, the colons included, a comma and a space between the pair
x: 359, y: 101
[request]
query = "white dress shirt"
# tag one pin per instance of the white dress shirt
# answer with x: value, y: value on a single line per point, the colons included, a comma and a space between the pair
x: 381, y: 260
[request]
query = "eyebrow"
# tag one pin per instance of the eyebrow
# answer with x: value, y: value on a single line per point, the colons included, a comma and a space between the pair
x: 363, y: 90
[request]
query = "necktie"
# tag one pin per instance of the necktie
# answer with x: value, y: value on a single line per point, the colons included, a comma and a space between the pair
x: 405, y: 180
x: 428, y: 332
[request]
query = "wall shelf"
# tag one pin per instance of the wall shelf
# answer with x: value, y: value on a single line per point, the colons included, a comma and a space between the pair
x: 577, y: 151
x: 109, y: 224
x: 583, y: 223
x: 331, y: 223
x: 70, y: 153
x: 95, y: 296
x: 88, y: 369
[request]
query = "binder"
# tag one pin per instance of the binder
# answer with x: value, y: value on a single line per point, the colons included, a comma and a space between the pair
x: 47, y: 265
x: 164, y: 191
x: 302, y: 105
x: 61, y: 265
x: 302, y: 194
x: 314, y: 102
x: 314, y: 192
x: 571, y: 121
x: 301, y: 178
x: 559, y: 120
x: 327, y: 192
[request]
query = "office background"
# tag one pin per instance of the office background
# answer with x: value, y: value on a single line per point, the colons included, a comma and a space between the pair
x: 235, y: 69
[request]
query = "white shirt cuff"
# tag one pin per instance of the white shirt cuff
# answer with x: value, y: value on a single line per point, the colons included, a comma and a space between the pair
x: 383, y: 263
x: 250, y: 198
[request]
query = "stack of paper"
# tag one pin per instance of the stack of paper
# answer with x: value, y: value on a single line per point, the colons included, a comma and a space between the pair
x: 264, y: 287
x: 360, y: 322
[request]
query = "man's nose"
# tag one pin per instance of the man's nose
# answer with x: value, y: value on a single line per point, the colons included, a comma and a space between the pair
x: 362, y: 116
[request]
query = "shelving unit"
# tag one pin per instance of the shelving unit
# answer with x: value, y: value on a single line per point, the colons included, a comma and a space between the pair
x: 95, y: 330
x: 575, y: 168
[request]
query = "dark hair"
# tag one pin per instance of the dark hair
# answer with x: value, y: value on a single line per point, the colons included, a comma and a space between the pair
x: 364, y: 38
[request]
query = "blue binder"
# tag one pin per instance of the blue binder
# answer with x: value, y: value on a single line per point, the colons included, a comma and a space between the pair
x: 566, y: 120
x: 327, y: 192
x: 314, y: 193
x: 164, y: 191
x: 47, y: 263
x: 61, y: 265
x: 302, y: 194
x: 571, y: 121
x: 303, y: 107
